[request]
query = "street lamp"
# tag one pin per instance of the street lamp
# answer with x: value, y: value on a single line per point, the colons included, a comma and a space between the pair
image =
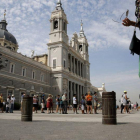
x: 1, y: 62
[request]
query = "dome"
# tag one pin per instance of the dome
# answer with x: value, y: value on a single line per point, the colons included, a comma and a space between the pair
x: 8, y: 36
x: 5, y: 34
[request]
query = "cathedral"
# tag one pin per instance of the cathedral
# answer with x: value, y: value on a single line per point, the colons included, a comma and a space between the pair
x: 65, y: 69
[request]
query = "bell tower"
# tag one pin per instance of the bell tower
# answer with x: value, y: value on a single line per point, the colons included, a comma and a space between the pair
x: 58, y: 39
x: 58, y: 24
x: 84, y: 45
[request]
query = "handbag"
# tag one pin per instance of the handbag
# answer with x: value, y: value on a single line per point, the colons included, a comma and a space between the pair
x: 135, y: 44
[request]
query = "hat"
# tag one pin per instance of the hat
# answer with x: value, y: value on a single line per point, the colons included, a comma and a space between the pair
x: 12, y: 94
x: 125, y: 91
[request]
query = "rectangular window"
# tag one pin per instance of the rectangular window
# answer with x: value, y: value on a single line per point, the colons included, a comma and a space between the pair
x: 42, y: 78
x: 24, y: 72
x: 64, y: 63
x: 33, y: 75
x: 12, y: 67
x: 54, y: 63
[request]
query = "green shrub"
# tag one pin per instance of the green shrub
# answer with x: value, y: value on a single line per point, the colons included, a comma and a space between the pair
x: 16, y: 106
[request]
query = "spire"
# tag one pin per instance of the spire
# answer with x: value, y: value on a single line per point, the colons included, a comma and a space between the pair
x: 3, y: 22
x: 4, y: 15
x: 82, y: 30
x: 81, y: 26
x: 59, y: 5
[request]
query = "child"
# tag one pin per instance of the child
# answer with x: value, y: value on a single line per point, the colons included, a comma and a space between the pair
x: 83, y: 104
x: 42, y: 106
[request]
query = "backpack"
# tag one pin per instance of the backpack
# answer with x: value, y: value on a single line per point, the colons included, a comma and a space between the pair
x: 83, y: 102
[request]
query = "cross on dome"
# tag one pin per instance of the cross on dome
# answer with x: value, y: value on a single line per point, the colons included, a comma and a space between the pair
x: 4, y: 14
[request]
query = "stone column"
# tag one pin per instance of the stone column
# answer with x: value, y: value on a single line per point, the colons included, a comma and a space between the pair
x: 70, y: 62
x: 74, y: 63
x: 80, y: 69
x: 78, y: 93
x: 71, y: 93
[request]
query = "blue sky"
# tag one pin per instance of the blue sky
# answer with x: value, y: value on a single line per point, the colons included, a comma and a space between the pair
x: 111, y: 62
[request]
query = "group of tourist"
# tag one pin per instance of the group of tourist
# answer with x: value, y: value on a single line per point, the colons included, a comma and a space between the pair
x: 85, y: 103
x: 126, y: 104
x: 7, y: 105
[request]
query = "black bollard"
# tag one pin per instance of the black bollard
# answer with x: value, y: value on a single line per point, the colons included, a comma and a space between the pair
x: 27, y: 105
x: 109, y: 108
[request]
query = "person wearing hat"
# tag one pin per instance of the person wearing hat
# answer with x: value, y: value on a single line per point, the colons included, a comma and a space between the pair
x: 125, y: 101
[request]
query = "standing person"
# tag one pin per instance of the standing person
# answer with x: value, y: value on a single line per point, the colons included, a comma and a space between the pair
x: 7, y: 104
x: 1, y: 102
x: 89, y: 102
x: 48, y: 105
x: 12, y: 105
x: 65, y: 103
x: 42, y: 106
x: 137, y: 105
x: 35, y: 104
x: 13, y: 99
x: 132, y: 106
x: 51, y: 102
x: 125, y: 101
x: 22, y: 95
x: 122, y: 106
x: 57, y: 103
x: 83, y: 104
x: 95, y: 102
x: 37, y: 101
x: 75, y: 104
x: 61, y: 104
x: 86, y: 103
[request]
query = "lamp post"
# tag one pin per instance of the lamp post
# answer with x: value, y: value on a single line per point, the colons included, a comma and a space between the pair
x: 3, y: 64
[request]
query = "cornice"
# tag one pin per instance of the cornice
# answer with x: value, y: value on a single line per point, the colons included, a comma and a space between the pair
x: 24, y: 59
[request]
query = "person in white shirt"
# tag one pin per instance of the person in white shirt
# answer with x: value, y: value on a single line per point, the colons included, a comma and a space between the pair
x: 12, y: 103
x: 75, y: 104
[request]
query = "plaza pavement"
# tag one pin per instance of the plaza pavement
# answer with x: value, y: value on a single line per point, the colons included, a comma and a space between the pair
x: 69, y: 127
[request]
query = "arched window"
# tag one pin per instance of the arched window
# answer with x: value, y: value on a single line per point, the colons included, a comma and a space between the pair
x: 55, y: 24
x: 8, y: 47
x: 80, y: 48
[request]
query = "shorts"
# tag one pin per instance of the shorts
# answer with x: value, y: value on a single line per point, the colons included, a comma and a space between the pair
x: 42, y: 105
x: 74, y: 105
x: 95, y: 104
x: 1, y: 105
x: 34, y: 105
x: 82, y: 107
x: 89, y: 103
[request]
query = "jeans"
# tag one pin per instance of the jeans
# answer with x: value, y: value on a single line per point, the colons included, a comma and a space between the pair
x: 7, y: 109
x: 12, y: 107
x: 65, y: 105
